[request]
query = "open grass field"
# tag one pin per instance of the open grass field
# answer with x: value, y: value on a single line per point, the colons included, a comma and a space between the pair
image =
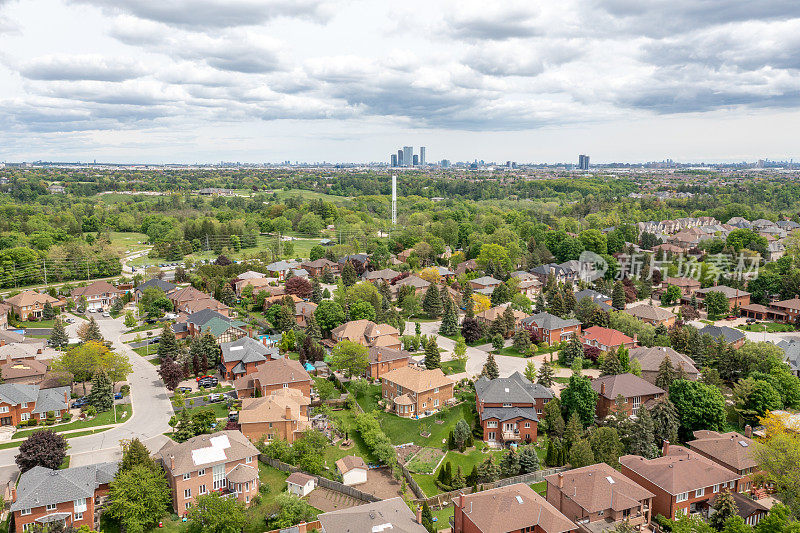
x: 128, y: 242
x: 771, y: 327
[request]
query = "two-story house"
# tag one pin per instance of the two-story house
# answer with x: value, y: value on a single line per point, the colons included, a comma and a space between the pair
x: 303, y: 311
x: 317, y: 267
x: 283, y: 415
x: 387, y: 516
x: 153, y: 283
x: 99, y: 295
x: 635, y: 390
x: 597, y: 496
x: 20, y: 402
x: 30, y: 304
x: 484, y: 282
x: 69, y: 497
x: 383, y: 360
x: 736, y: 297
x: 650, y: 314
x: 224, y: 462
x: 274, y: 375
x: 415, y: 392
x: 606, y: 339
x: 687, y: 286
x: 509, y: 408
x: 367, y: 333
x: 243, y: 356
x: 732, y: 450
x: 683, y: 481
x: 552, y: 329
x: 734, y: 337
x: 487, y: 317
x: 650, y: 359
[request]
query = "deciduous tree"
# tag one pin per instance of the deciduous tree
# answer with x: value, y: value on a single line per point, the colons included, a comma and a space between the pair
x: 43, y: 448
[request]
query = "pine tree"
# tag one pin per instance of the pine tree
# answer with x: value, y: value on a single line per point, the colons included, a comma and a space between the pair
x: 551, y: 457
x: 134, y: 453
x: 546, y: 374
x: 47, y: 311
x: 101, y: 396
x: 92, y: 332
x: 500, y: 295
x: 724, y: 507
x: 569, y: 300
x: 432, y: 303
x: 509, y: 464
x: 618, y: 296
x: 642, y: 436
x: 574, y: 429
x: 510, y: 320
x: 530, y: 370
x: 469, y: 303
x: 58, y: 335
x: 556, y: 304
x: 458, y: 481
x: 666, y: 374
x: 665, y: 421
x: 540, y: 305
x: 167, y: 344
x: 312, y: 328
x: 498, y: 327
x: 490, y: 369
x: 449, y: 325
x: 316, y: 291
x: 528, y: 460
x: 427, y: 518
x: 432, y: 356
x: 349, y: 276
x: 611, y: 365
x: 522, y: 342
x: 227, y: 296
x: 580, y: 454
x: 211, y: 349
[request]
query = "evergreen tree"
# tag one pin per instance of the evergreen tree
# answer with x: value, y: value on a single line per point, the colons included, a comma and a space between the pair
x: 227, y: 296
x: 553, y: 420
x: 574, y: 429
x: 458, y: 481
x: 530, y: 370
x: 522, y: 342
x: 546, y: 374
x: 528, y: 460
x: 488, y: 471
x: 58, y: 335
x: 47, y: 311
x: 724, y: 508
x: 167, y: 344
x: 432, y: 356
x: 509, y: 464
x: 490, y: 369
x: 349, y: 276
x: 580, y: 454
x: 665, y: 421
x: 556, y: 304
x: 134, y: 453
x: 540, y: 305
x: 570, y: 303
x: 432, y: 302
x: 572, y: 351
x: 449, y: 325
x: 510, y: 320
x: 91, y: 332
x: 211, y: 349
x: 666, y: 374
x: 618, y: 296
x: 611, y: 365
x: 316, y: 291
x: 427, y: 518
x: 498, y: 327
x: 312, y: 328
x: 500, y: 295
x: 101, y: 396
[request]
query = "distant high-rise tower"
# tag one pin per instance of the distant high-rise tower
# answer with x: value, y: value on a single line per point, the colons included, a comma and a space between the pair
x: 416, y: 160
x: 394, y: 160
x: 394, y: 199
x: 422, y: 156
x: 399, y: 158
x: 408, y: 156
x: 583, y: 162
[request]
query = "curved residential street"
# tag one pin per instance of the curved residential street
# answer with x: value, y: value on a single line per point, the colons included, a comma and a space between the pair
x: 151, y: 409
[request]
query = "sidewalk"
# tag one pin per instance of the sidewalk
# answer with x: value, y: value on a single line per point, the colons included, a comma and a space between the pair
x: 65, y: 433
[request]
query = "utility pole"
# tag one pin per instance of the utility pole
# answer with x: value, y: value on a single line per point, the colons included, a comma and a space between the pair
x: 44, y: 262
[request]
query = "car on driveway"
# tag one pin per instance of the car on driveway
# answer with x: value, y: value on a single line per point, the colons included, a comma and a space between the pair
x: 80, y: 402
x: 208, y: 382
x: 183, y: 390
x: 117, y: 395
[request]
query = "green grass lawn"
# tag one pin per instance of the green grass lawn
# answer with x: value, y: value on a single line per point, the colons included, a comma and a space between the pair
x: 7, y: 445
x: 454, y: 367
x: 128, y: 242
x: 220, y: 409
x: 540, y: 487
x: 443, y: 516
x: 466, y: 461
x: 37, y: 324
x: 772, y: 327
x: 101, y: 419
x: 478, y: 342
x: 345, y: 420
x: 144, y: 327
x: 511, y: 351
x: 147, y: 351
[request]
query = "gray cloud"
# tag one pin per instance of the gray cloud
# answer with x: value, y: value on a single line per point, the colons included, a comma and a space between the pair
x: 64, y: 67
x: 493, y: 26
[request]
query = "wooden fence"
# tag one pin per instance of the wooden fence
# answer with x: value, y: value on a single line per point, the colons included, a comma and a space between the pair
x: 320, y: 480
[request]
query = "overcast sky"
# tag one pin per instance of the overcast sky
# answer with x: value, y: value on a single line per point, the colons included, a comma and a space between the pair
x: 312, y: 80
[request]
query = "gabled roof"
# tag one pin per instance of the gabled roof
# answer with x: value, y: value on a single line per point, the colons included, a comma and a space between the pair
x: 250, y: 274
x: 606, y: 336
x: 792, y: 303
x: 681, y: 470
x: 413, y: 281
x: 186, y: 294
x: 417, y: 379
x: 28, y: 298
x: 507, y: 413
x: 550, y: 322
x: 729, y: 292
x: 386, y: 274
x: 791, y: 350
x: 279, y: 266
x: 42, y: 486
x: 299, y: 478
x: 649, y: 312
x: 486, y: 280
x: 319, y: 263
x: 732, y: 449
x: 599, y: 487
x: 246, y: 350
x: 94, y: 289
x: 728, y: 334
x: 201, y: 317
x: 272, y: 408
x: 650, y: 358
x: 45, y: 399
x: 593, y: 295
x: 626, y: 385
x: 350, y: 462
x: 157, y: 283
x: 218, y: 326
x: 205, y: 451
x: 387, y: 354
x: 387, y: 516
x: 274, y: 372
x: 514, y: 389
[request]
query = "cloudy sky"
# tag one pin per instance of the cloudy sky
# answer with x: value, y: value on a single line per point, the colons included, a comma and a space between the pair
x: 311, y: 80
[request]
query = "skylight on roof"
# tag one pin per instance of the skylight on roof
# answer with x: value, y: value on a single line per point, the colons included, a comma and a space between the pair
x: 610, y: 479
x: 743, y: 444
x: 519, y: 499
x: 236, y: 348
x: 506, y: 389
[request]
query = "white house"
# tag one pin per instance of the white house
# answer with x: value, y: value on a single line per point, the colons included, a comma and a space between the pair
x: 300, y: 484
x: 353, y: 470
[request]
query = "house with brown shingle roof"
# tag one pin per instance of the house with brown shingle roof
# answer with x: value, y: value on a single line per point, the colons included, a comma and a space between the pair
x: 420, y: 285
x: 512, y: 508
x: 415, y: 392
x: 736, y: 297
x: 683, y: 481
x: 732, y: 450
x: 606, y: 339
x: 283, y: 415
x: 650, y: 360
x: 377, y: 276
x: 224, y: 462
x: 597, y: 496
x: 635, y: 390
x: 31, y: 304
x: 383, y: 360
x: 317, y: 268
x: 353, y: 470
x: 687, y: 285
x: 488, y: 316
x: 99, y: 295
x: 367, y: 333
x: 651, y: 314
x: 303, y: 311
x: 272, y: 376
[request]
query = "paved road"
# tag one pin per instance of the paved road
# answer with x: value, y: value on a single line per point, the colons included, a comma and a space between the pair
x: 151, y: 409
x: 755, y: 336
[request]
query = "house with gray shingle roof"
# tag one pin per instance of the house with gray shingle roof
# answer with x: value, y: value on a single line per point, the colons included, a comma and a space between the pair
x: 244, y: 356
x: 731, y: 336
x: 552, y: 329
x: 20, y: 402
x: 791, y: 350
x: 509, y: 408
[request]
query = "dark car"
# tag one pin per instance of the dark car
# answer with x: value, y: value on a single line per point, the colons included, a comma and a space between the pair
x: 80, y: 402
x: 117, y: 395
x: 184, y: 390
x: 203, y: 377
x: 208, y: 382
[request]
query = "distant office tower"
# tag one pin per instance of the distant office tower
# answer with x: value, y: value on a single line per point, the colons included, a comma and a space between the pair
x: 408, y: 156
x: 394, y: 160
x: 583, y: 162
x: 416, y: 160
x: 399, y: 158
x: 422, y: 156
x: 445, y: 163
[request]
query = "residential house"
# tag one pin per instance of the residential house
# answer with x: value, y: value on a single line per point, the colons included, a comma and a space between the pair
x: 70, y: 497
x: 650, y: 360
x: 199, y: 322
x: 300, y: 273
x: 791, y: 350
x: 445, y: 272
x: 484, y: 283
x: 530, y: 288
x: 775, y: 250
x: 282, y: 415
x: 359, y: 261
x: 55, y: 188
x: 164, y: 286
x: 258, y: 285
x: 243, y: 356
x: 383, y: 360
x: 598, y: 498
x: 552, y: 329
x: 635, y: 390
x: 279, y: 269
x: 732, y: 450
x: 736, y: 297
x: 30, y: 304
x: 300, y: 484
x: 683, y: 481
x: 250, y: 274
x: 606, y: 339
x: 651, y: 314
x: 789, y: 308
x: 20, y: 402
x: 509, y: 408
x: 317, y: 268
x: 734, y: 337
x: 668, y: 249
x: 4, y: 310
x: 561, y: 274
x: 749, y: 509
x: 303, y: 311
x: 378, y: 276
x: 272, y: 376
x: 190, y: 300
x: 511, y: 509
x: 688, y: 286
x: 599, y: 299
x: 420, y: 285
x: 388, y: 516
x: 99, y: 295
x: 488, y: 316
x: 353, y: 470
x: 224, y: 462
x: 415, y: 392
x: 367, y: 333
x: 522, y: 275
x: 463, y: 267
x: 25, y: 371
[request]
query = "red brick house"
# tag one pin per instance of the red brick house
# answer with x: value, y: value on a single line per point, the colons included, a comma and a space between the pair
x: 272, y: 376
x: 20, y: 402
x: 244, y: 356
x: 736, y: 297
x: 552, y: 329
x: 383, y: 360
x: 509, y: 408
x: 634, y: 389
x: 606, y: 339
x: 99, y: 295
x: 415, y: 392
x: 732, y: 450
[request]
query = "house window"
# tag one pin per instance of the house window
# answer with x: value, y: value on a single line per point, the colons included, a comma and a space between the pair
x: 28, y: 527
x: 3, y: 409
x: 24, y: 512
x: 248, y: 460
x: 716, y: 488
x: 78, y: 516
x: 201, y: 489
x: 679, y: 513
x: 637, y: 401
x: 490, y: 436
x: 491, y: 424
x: 51, y: 506
x: 527, y: 425
x: 219, y: 476
x: 201, y: 472
x: 424, y: 405
x: 187, y: 505
x: 187, y: 475
x: 506, y: 405
x: 246, y: 486
x: 23, y: 405
x: 25, y: 416
x: 700, y: 492
x: 435, y: 390
x: 187, y: 493
x: 436, y: 403
x: 285, y: 385
x: 682, y: 497
x: 80, y: 505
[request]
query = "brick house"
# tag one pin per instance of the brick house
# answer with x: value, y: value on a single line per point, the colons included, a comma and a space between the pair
x: 163, y: 286
x: 367, y: 333
x: 734, y: 337
x: 552, y: 329
x: 244, y: 356
x: 634, y: 389
x: 512, y: 509
x: 69, y: 497
x: 509, y: 408
x: 606, y: 339
x: 317, y: 268
x: 415, y: 392
x: 731, y: 450
x: 383, y: 360
x: 650, y: 359
x: 303, y: 311
x: 420, y: 285
x: 736, y: 297
x: 683, y: 481
x: 185, y: 294
x: 378, y: 276
x: 484, y: 282
x: 599, y: 494
x: 487, y: 317
x: 274, y: 375
x: 282, y: 415
x: 650, y: 314
x: 392, y: 515
x: 258, y: 285
x: 688, y: 286
x: 99, y: 295
x: 19, y: 402
x: 31, y: 304
x: 224, y: 462
x: 790, y: 308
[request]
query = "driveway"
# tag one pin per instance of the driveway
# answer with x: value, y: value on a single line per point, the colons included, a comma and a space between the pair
x: 151, y: 408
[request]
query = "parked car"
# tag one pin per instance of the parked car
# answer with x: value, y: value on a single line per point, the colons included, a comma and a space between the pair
x: 233, y: 416
x: 202, y: 377
x: 183, y: 390
x: 106, y: 314
x: 80, y: 402
x: 216, y: 397
x: 208, y: 382
x: 117, y: 395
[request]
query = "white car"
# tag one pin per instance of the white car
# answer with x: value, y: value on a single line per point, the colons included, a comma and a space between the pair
x: 106, y: 314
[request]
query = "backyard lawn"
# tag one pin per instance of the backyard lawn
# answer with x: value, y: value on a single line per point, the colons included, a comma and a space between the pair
x: 771, y: 327
x: 102, y: 419
x: 466, y: 461
x: 454, y: 367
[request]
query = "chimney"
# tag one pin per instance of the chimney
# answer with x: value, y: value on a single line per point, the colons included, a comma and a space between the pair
x: 264, y: 340
x: 379, y: 356
x: 66, y: 396
x: 560, y: 480
x: 249, y: 332
x: 39, y: 351
x: 635, y: 338
x: 748, y: 431
x: 171, y: 462
x: 461, y: 500
x: 603, y: 388
x: 665, y: 448
x: 288, y: 413
x: 419, y: 514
